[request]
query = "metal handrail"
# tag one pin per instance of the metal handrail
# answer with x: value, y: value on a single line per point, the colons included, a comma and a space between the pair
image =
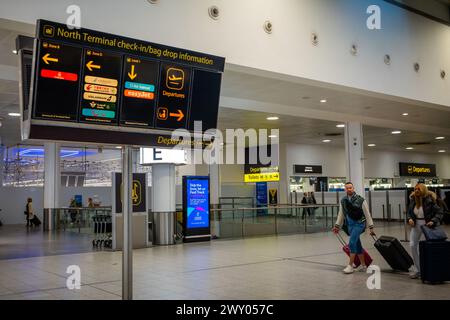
x: 278, y: 207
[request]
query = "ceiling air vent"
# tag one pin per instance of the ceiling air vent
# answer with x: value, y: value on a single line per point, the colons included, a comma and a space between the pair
x: 420, y: 143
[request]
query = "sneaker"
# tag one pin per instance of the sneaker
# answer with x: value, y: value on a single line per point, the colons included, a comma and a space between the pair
x: 414, y: 275
x: 361, y: 268
x: 348, y: 269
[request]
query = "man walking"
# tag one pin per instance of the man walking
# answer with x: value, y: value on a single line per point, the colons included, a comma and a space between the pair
x: 355, y: 212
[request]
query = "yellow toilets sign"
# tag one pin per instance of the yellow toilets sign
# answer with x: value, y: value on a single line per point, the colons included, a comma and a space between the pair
x: 262, y: 177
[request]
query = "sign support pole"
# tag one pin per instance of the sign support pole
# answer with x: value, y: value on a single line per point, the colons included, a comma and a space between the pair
x: 127, y: 253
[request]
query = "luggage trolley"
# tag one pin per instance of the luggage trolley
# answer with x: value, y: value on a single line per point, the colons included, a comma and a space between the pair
x: 102, y: 225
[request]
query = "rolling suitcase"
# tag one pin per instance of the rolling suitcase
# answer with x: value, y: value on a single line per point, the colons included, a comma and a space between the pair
x: 434, y: 261
x: 394, y: 253
x: 368, y: 259
x: 36, y: 221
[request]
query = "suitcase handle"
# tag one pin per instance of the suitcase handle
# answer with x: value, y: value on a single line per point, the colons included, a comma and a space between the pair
x: 341, y: 239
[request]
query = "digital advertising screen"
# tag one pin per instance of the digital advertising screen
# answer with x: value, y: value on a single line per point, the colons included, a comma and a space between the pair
x: 197, y: 203
x: 196, y: 207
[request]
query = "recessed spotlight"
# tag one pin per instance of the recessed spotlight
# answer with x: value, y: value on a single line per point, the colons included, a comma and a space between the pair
x: 14, y: 51
x: 340, y: 126
x: 396, y: 132
x: 409, y: 148
x: 372, y: 145
x: 326, y: 141
x: 14, y: 114
x: 273, y: 136
x: 272, y: 118
x: 405, y: 114
x: 323, y: 101
x: 440, y: 138
x: 441, y: 151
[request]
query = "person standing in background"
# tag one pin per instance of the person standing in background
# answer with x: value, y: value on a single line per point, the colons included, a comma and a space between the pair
x: 29, y: 211
x: 423, y: 210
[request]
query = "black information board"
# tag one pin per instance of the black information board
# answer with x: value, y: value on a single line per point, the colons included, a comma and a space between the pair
x: 87, y: 76
x: 100, y: 85
x: 417, y: 169
x: 305, y: 169
x: 173, y: 101
x: 138, y: 193
x: 57, y: 86
x: 138, y: 87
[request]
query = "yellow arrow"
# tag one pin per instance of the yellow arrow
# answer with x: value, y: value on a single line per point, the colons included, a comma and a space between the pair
x: 47, y: 58
x: 90, y: 65
x: 179, y: 115
x: 132, y: 75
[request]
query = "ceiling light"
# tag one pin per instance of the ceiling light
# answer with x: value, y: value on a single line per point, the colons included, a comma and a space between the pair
x: 323, y: 101
x: 118, y: 147
x: 396, y: 132
x: 409, y: 148
x: 372, y: 145
x: 326, y: 141
x: 340, y: 126
x: 14, y: 114
x: 272, y: 118
x: 405, y: 114
x: 14, y: 51
x: 273, y: 136
x: 441, y: 151
x: 440, y: 138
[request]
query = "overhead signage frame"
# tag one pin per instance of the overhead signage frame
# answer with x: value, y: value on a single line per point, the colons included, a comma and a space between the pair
x: 85, y: 82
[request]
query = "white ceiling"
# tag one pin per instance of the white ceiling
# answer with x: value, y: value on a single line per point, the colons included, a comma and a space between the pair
x: 311, y: 131
x: 310, y: 122
x: 342, y: 101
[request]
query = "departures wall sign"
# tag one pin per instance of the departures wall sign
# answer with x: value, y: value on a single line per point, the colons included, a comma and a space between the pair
x: 92, y: 77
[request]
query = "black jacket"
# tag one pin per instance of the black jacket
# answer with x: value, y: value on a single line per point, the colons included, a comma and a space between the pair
x: 431, y: 210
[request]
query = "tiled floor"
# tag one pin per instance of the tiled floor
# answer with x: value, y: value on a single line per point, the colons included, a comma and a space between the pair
x: 19, y: 241
x: 285, y: 267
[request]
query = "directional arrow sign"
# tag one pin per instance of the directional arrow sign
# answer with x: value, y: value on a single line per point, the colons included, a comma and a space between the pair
x: 47, y: 58
x: 132, y: 75
x: 179, y: 115
x: 90, y: 65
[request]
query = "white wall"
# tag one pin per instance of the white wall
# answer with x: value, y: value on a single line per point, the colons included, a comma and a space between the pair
x: 238, y: 35
x: 13, y: 200
x: 385, y: 163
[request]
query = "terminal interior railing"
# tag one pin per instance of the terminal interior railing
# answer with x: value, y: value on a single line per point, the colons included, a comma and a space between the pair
x: 80, y: 219
x: 386, y: 205
x: 272, y: 220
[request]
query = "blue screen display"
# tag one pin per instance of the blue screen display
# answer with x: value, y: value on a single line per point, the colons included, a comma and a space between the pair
x: 197, y: 203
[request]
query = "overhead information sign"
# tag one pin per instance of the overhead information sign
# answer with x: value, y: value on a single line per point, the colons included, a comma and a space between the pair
x: 100, y: 85
x: 86, y: 76
x: 417, y: 169
x: 139, y: 87
x: 57, y: 88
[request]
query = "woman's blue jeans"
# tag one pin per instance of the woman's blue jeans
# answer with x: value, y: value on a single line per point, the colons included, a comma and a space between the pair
x: 355, y: 229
